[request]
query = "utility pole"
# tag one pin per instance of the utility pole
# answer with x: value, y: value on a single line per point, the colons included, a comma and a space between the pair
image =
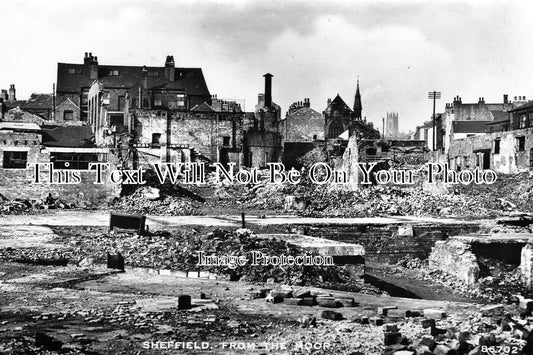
x: 435, y: 95
x: 383, y: 124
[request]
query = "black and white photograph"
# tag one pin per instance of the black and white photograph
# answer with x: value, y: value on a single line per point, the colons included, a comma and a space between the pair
x: 231, y: 177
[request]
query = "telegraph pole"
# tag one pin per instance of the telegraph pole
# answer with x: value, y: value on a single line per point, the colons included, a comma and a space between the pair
x: 435, y: 95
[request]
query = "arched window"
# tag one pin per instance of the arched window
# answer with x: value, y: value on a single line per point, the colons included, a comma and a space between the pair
x: 335, y: 129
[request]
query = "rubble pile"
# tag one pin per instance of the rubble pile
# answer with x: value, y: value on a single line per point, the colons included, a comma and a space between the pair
x: 498, y: 282
x: 22, y: 206
x: 386, y: 200
x: 180, y: 252
x: 155, y: 201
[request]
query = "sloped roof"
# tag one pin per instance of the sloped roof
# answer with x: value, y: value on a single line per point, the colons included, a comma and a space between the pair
x: 337, y: 104
x: 70, y: 136
x: 305, y: 112
x: 499, y: 116
x: 203, y: 107
x: 469, y: 126
x: 39, y: 101
x: 14, y: 104
x: 523, y: 107
x: 190, y: 80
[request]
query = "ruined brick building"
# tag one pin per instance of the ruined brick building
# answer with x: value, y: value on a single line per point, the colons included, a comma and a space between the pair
x: 501, y: 139
x: 263, y: 139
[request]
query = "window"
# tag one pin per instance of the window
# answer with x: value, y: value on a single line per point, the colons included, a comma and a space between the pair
x: 68, y: 115
x: 531, y: 157
x: 153, y: 73
x: 523, y: 121
x: 121, y: 101
x: 74, y: 71
x: 145, y: 103
x: 15, y: 160
x: 225, y: 141
x: 114, y: 73
x: 134, y: 102
x: 521, y: 141
x: 76, y: 161
x: 180, y: 100
x: 497, y: 146
x: 371, y: 151
x: 156, y: 138
x: 157, y: 100
x: 116, y: 119
x: 335, y: 129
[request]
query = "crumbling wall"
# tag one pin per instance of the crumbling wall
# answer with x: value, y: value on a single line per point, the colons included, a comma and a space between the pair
x: 509, y: 160
x: 455, y: 258
x: 350, y: 159
x: 187, y: 131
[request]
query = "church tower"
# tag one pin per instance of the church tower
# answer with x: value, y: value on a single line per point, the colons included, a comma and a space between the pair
x: 357, y: 107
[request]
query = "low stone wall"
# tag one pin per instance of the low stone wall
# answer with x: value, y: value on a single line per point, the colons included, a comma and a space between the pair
x: 455, y: 258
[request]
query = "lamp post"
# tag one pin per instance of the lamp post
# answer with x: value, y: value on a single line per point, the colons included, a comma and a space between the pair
x: 434, y: 95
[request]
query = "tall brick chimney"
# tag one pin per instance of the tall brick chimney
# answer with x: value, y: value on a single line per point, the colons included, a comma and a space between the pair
x: 92, y: 62
x: 268, y: 89
x: 12, y: 96
x: 170, y: 69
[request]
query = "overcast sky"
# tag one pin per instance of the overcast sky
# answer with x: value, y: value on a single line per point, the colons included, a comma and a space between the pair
x: 400, y: 49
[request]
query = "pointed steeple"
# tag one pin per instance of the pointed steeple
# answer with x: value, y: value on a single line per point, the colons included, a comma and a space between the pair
x: 357, y: 107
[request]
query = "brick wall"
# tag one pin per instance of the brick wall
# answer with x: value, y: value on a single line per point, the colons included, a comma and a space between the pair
x: 17, y: 183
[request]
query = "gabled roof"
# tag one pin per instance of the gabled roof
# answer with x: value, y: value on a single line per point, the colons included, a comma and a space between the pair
x: 68, y: 100
x: 70, y: 136
x: 469, y: 126
x: 189, y: 80
x: 305, y: 112
x: 39, y: 101
x: 523, y: 107
x: 203, y: 107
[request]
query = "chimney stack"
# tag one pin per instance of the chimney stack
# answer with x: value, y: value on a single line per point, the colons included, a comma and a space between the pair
x: 12, y: 96
x: 307, y: 103
x: 170, y: 68
x: 329, y: 101
x: 268, y: 89
x: 93, y: 66
x: 145, y: 77
x: 3, y: 95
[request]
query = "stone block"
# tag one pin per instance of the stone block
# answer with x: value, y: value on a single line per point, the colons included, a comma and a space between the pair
x: 179, y: 273
x: 184, y: 302
x: 302, y: 294
x: 392, y: 338
x: 428, y: 323
x: 526, y: 303
x: 327, y: 302
x: 203, y: 274
x: 193, y: 274
x: 383, y: 311
x: 164, y: 272
x: 331, y: 315
x: 377, y: 321
x: 308, y: 301
x: 434, y: 313
x: 390, y: 327
x: 492, y: 310
x: 293, y: 301
x: 345, y: 302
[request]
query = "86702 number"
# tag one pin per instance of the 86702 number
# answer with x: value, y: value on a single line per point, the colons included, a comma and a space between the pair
x: 499, y: 349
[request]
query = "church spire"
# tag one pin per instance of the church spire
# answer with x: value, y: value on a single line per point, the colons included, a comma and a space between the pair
x: 357, y: 107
